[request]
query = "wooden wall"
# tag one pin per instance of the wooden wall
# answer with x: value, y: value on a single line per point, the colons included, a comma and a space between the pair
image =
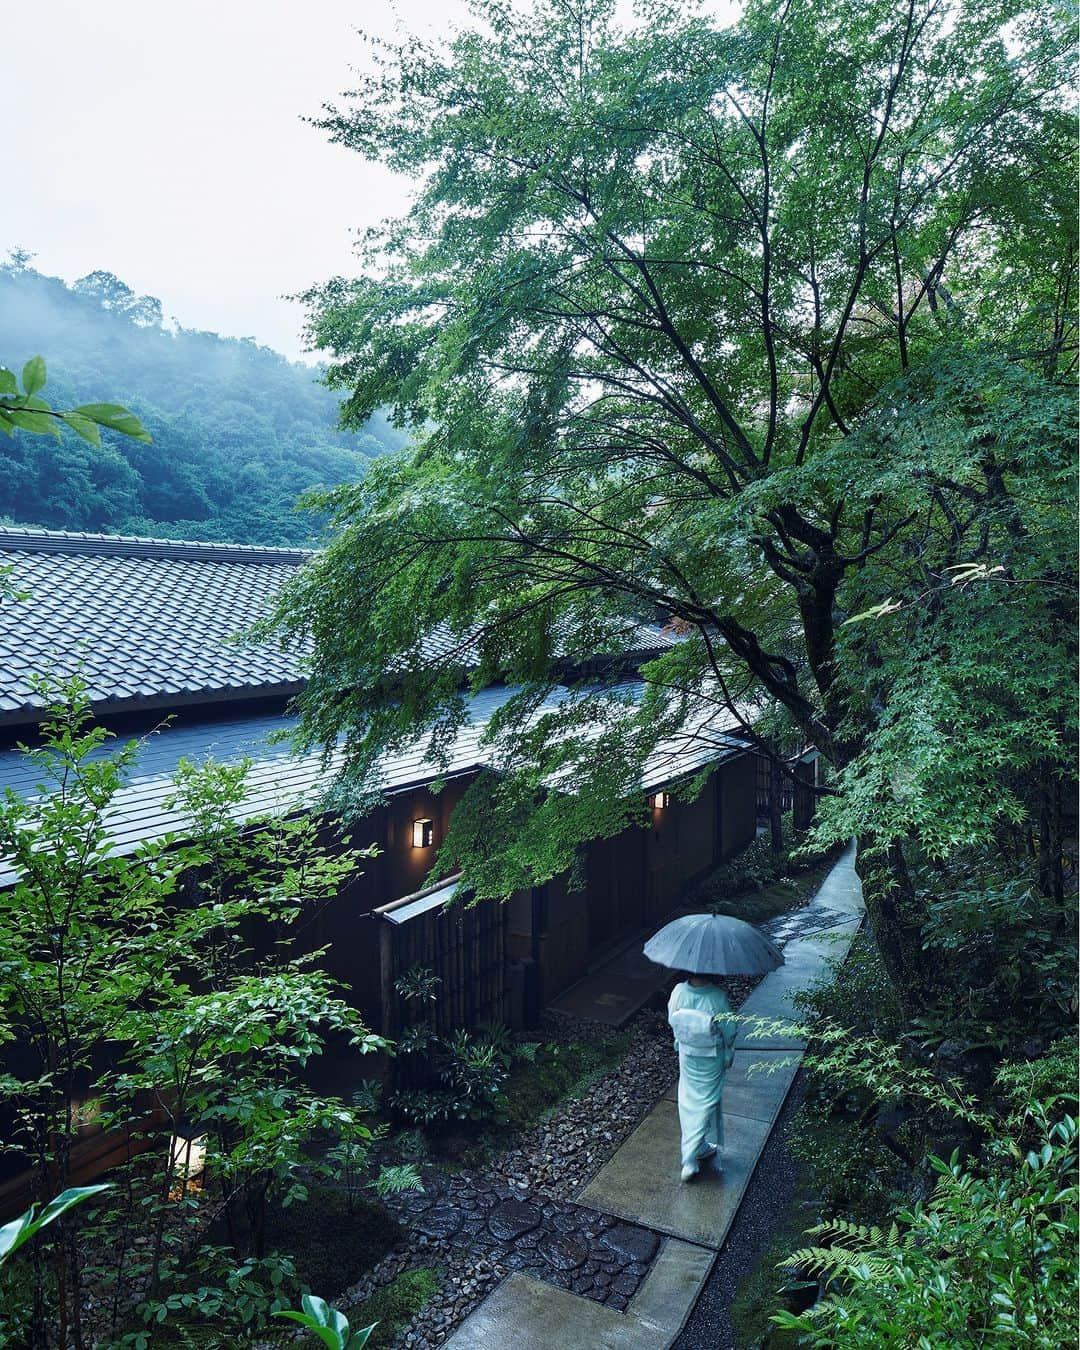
x: 738, y: 804
x: 633, y: 881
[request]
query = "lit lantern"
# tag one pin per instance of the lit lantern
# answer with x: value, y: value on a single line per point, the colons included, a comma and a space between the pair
x: 423, y: 833
x: 659, y: 800
x: 188, y: 1162
x: 85, y: 1113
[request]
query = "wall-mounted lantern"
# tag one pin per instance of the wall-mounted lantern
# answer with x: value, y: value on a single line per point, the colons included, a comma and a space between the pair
x: 659, y: 800
x: 423, y: 833
x: 86, y: 1113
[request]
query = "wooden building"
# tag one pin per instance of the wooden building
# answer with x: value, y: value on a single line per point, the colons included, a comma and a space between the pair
x: 149, y: 625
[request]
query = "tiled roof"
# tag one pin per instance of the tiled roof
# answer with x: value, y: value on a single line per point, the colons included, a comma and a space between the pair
x: 153, y: 623
x: 146, y: 622
x: 280, y: 780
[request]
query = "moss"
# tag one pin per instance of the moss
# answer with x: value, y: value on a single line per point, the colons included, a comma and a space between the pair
x: 331, y: 1246
x: 395, y: 1304
x: 533, y: 1090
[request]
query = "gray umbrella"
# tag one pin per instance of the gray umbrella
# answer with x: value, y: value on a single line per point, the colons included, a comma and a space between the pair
x: 713, y: 944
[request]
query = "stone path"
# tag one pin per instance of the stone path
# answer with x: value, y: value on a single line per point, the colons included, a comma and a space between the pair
x: 569, y: 1246
x: 626, y: 981
x: 639, y: 1186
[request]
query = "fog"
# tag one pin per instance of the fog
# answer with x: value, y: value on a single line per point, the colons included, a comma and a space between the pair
x: 166, y: 143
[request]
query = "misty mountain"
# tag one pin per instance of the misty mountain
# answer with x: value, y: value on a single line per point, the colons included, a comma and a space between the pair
x: 238, y: 431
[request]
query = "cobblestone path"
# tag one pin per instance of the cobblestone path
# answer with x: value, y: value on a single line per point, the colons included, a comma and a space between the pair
x: 567, y: 1245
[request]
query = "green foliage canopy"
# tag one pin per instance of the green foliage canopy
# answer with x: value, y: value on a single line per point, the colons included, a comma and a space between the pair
x: 750, y: 327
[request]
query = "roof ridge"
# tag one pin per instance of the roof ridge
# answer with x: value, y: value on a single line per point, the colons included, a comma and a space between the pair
x: 21, y: 539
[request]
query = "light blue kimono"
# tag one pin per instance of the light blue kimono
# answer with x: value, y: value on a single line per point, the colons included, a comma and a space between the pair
x: 703, y: 1065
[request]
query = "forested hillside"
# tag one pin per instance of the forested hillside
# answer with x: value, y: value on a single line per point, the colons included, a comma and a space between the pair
x: 238, y: 431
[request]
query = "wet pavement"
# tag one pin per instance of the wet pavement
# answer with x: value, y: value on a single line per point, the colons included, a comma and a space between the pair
x: 570, y: 1246
x: 638, y: 1191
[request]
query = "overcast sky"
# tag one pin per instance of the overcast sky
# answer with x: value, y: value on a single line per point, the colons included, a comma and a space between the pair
x: 165, y: 143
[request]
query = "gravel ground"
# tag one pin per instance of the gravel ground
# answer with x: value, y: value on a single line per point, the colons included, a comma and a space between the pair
x: 558, y: 1156
x: 554, y: 1159
x: 768, y: 1196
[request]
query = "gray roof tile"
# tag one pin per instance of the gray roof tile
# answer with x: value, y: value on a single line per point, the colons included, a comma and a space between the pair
x: 282, y: 780
x: 142, y: 620
x: 148, y: 620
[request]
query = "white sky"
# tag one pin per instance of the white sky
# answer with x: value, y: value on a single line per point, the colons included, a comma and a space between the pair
x: 164, y: 142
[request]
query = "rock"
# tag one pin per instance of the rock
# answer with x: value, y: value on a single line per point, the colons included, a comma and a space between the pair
x: 632, y: 1244
x: 438, y: 1223
x: 616, y: 1301
x: 561, y: 1252
x: 508, y: 1220
x: 625, y: 1284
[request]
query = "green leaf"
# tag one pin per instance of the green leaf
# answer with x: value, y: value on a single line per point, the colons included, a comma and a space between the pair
x: 37, y: 423
x: 82, y: 426
x: 328, y: 1337
x: 33, y: 375
x: 8, y: 382
x: 887, y: 607
x: 13, y: 1235
x: 115, y: 418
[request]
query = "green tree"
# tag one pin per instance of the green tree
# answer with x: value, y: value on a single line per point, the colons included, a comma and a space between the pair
x: 166, y: 991
x: 754, y: 328
x: 80, y: 946
x: 238, y: 431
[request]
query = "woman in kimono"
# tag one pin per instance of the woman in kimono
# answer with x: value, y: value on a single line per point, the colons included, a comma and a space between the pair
x: 706, y: 1050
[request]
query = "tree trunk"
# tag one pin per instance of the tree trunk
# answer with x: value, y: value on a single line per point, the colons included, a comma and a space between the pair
x: 896, y: 915
x: 802, y: 800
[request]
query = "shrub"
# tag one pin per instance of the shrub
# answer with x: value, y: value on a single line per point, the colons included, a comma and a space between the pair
x: 856, y: 994
x: 471, y: 1070
x: 757, y: 866
x: 989, y: 1259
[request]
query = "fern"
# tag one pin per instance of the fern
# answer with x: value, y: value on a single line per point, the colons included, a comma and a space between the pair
x: 396, y: 1180
x: 852, y: 1250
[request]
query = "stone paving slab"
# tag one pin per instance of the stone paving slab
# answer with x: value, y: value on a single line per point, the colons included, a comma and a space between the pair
x: 610, y: 997
x: 527, y: 1314
x: 640, y: 1182
x: 617, y: 989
